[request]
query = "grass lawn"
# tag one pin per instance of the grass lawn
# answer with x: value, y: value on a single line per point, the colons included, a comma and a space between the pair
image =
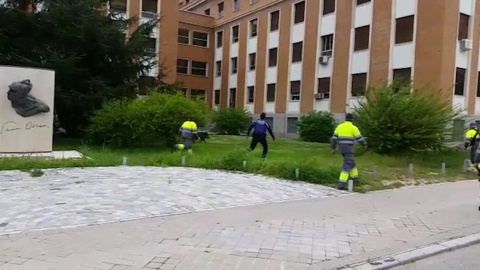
x: 228, y: 153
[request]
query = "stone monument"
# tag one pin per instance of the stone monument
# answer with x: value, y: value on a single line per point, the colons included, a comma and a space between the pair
x: 26, y: 110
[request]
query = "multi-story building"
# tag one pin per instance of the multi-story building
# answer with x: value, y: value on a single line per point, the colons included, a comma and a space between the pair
x: 290, y: 57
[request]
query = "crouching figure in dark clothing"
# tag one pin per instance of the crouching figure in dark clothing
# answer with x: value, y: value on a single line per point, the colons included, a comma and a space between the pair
x: 260, y: 128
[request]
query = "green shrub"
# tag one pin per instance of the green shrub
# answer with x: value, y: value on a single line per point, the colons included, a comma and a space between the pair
x: 230, y: 121
x: 152, y: 120
x: 317, y: 127
x: 398, y: 120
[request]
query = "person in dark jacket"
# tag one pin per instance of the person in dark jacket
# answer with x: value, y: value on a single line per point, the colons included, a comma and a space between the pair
x: 260, y: 128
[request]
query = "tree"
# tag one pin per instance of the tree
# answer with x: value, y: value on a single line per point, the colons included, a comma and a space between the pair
x: 94, y: 57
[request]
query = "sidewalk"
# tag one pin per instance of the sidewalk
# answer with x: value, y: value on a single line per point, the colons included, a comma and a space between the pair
x: 323, y: 233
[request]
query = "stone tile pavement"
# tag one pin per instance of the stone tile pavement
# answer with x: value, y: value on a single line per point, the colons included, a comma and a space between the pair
x: 72, y: 197
x: 319, y: 233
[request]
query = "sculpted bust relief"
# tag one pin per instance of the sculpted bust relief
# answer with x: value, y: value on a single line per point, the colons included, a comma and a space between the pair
x: 23, y: 103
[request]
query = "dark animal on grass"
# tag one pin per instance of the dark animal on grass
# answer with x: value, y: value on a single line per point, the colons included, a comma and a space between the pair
x: 201, y: 135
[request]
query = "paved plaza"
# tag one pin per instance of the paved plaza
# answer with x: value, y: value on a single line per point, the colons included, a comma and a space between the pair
x: 157, y: 218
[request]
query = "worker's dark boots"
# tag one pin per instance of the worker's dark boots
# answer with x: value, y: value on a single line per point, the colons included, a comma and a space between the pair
x: 355, y: 181
x: 342, y: 185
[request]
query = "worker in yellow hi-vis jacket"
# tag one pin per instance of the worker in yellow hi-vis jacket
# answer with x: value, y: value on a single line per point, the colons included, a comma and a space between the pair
x: 345, y: 136
x: 188, y: 130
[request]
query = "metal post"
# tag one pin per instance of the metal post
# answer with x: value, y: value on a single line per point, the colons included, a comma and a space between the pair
x: 350, y: 185
x: 184, y: 161
x: 410, y: 168
x: 443, y: 168
x: 297, y: 173
x: 375, y: 171
x: 124, y: 162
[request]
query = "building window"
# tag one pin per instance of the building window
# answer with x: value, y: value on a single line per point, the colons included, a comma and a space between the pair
x: 233, y: 97
x: 182, y: 66
x: 252, y: 59
x: 272, y: 57
x: 402, y: 76
x: 478, y: 85
x: 269, y: 120
x: 183, y: 36
x: 199, y: 68
x: 234, y: 65
x: 200, y: 39
x: 118, y: 6
x: 149, y: 8
x: 184, y: 91
x: 295, y: 90
x: 463, y: 23
x: 271, y: 88
x: 362, y: 38
x: 292, y: 125
x: 299, y: 12
x: 207, y: 12
x: 327, y: 45
x: 218, y: 68
x: 297, y: 52
x: 274, y: 20
x: 359, y: 2
x: 220, y: 10
x: 404, y: 29
x: 324, y: 87
x: 197, y: 94
x: 251, y: 94
x: 150, y: 47
x: 216, y: 97
x: 219, y: 39
x: 253, y: 27
x: 328, y: 6
x: 235, y: 34
x: 236, y: 5
x: 460, y: 81
x: 359, y: 84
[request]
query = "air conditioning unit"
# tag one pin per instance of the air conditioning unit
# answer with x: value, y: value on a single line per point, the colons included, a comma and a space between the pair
x: 466, y: 44
x: 319, y: 96
x: 324, y: 60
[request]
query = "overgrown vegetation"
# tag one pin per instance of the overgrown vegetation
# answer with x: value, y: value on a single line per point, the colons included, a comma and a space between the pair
x: 152, y: 120
x: 92, y: 55
x: 401, y: 120
x: 317, y: 127
x: 231, y: 121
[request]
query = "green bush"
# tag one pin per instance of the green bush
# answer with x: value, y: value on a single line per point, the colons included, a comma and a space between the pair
x: 230, y: 121
x: 397, y: 120
x: 152, y: 120
x: 317, y: 127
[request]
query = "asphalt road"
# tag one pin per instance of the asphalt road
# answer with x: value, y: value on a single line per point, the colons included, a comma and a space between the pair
x: 461, y: 259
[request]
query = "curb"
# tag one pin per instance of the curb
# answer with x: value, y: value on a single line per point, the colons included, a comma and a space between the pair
x: 409, y: 256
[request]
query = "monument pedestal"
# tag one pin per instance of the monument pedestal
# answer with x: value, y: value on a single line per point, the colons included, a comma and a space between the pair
x: 26, y: 110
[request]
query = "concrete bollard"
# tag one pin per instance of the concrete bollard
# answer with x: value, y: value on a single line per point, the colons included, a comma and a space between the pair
x: 443, y: 168
x: 465, y: 165
x: 410, y: 168
x: 244, y: 164
x: 184, y: 161
x: 350, y: 185
x: 375, y: 171
x: 297, y: 173
x: 124, y: 161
